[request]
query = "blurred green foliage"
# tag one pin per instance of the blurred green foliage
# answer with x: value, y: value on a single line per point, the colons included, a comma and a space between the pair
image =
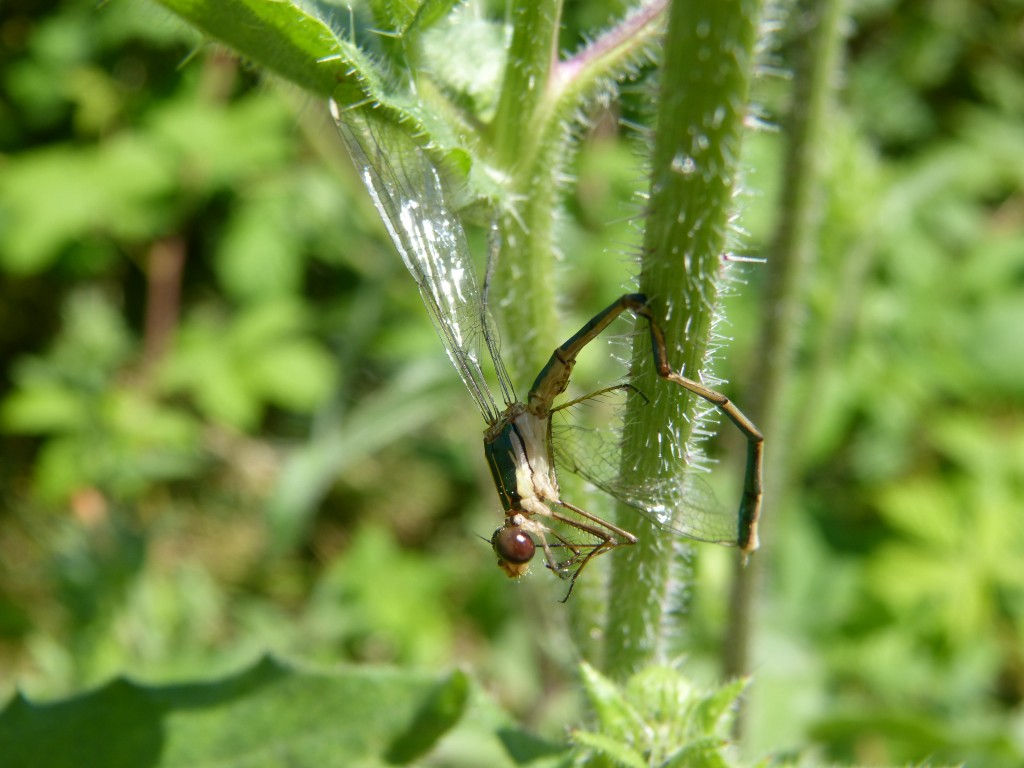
x: 226, y: 425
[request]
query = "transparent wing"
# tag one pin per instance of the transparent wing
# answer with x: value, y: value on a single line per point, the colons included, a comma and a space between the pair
x: 683, y: 504
x: 409, y: 196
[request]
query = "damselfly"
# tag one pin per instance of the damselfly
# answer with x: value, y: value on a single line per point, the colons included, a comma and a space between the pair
x: 409, y: 194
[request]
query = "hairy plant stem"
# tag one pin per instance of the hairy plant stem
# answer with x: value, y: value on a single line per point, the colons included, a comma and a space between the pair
x: 526, y: 268
x: 702, y: 104
x: 530, y: 139
x: 536, y: 147
x: 793, y: 251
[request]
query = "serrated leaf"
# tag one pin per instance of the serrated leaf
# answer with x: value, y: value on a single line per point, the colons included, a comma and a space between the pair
x: 400, y: 16
x: 700, y: 753
x: 614, y: 713
x: 610, y: 748
x: 718, y: 705
x: 671, y: 721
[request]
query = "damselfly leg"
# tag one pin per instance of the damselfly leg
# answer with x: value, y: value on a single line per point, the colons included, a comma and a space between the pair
x: 530, y: 467
x: 554, y: 378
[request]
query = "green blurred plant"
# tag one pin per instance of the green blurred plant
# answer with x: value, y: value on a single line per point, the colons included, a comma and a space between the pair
x: 910, y: 477
x: 102, y: 431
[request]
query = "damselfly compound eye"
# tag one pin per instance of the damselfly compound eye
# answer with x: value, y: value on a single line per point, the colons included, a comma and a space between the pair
x: 514, y: 549
x: 513, y: 544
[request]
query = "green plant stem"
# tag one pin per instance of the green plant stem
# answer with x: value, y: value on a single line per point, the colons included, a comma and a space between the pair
x: 531, y: 56
x: 793, y: 251
x: 702, y: 105
x: 540, y: 98
x: 574, y: 83
x: 526, y: 268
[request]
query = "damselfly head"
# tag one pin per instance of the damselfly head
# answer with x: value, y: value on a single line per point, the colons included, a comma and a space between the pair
x: 514, y: 548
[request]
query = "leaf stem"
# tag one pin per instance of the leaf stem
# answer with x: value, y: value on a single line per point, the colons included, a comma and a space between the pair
x: 624, y: 38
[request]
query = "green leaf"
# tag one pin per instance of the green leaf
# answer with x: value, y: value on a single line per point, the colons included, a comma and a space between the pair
x: 280, y: 36
x: 467, y: 60
x: 43, y: 408
x: 296, y: 374
x: 659, y: 718
x: 257, y: 256
x: 526, y: 749
x: 717, y: 708
x: 213, y: 147
x: 234, y: 369
x: 393, y: 610
x: 52, y: 197
x: 270, y: 715
x: 399, y: 16
x: 610, y: 749
x: 61, y: 468
x: 268, y: 322
x: 145, y: 423
x: 902, y: 506
x: 700, y: 753
x: 616, y: 716
x: 439, y: 712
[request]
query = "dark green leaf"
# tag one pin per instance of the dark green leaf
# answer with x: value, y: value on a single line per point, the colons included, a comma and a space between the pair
x: 270, y: 715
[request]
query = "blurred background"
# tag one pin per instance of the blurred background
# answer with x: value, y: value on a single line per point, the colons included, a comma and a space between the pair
x: 227, y: 427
